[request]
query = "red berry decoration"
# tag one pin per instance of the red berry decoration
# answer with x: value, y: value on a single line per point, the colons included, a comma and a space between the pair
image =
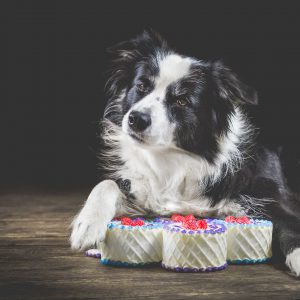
x: 246, y: 220
x: 243, y: 220
x: 177, y: 218
x: 189, y: 218
x: 201, y: 224
x: 190, y: 225
x: 138, y: 223
x: 230, y: 219
x: 130, y: 222
x: 126, y: 221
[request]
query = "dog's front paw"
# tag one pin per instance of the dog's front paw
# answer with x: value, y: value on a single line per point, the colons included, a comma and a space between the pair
x: 87, y: 232
x: 230, y: 209
x: 89, y: 227
x: 293, y: 262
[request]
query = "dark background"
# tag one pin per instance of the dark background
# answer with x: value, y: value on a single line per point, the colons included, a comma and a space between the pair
x: 54, y: 62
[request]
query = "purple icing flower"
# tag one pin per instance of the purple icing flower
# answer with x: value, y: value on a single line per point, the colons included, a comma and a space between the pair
x: 213, y: 227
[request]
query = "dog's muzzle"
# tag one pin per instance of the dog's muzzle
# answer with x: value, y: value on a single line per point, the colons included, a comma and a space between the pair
x: 139, y: 121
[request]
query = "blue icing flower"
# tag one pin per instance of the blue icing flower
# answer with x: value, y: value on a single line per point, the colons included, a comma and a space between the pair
x: 249, y: 261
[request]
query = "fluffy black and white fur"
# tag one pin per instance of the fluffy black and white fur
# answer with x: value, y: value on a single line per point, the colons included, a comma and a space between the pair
x: 176, y: 139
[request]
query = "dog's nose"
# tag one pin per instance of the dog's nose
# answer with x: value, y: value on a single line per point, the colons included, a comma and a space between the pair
x: 139, y: 121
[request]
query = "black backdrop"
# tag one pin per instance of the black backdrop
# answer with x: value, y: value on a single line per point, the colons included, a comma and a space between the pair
x: 54, y: 62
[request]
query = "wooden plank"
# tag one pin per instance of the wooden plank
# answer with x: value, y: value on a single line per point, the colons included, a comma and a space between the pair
x: 37, y: 263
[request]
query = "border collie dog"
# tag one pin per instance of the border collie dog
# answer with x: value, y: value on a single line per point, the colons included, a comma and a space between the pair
x: 177, y: 139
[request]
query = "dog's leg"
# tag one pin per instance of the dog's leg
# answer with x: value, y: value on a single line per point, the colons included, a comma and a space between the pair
x: 89, y: 226
x: 293, y: 261
x: 288, y: 231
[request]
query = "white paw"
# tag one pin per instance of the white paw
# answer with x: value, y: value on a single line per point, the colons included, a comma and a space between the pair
x: 293, y: 261
x: 230, y: 209
x: 90, y: 225
x: 87, y: 231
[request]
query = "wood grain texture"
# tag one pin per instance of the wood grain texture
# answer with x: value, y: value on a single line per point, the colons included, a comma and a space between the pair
x: 36, y: 262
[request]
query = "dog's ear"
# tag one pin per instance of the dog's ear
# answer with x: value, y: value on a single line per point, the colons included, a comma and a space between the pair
x: 137, y: 47
x: 124, y: 51
x: 123, y: 56
x: 126, y: 54
x: 230, y: 87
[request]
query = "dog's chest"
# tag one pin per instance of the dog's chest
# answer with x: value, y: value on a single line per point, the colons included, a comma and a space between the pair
x: 165, y: 182
x: 160, y: 179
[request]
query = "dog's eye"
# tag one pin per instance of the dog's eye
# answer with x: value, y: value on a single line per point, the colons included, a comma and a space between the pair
x: 141, y: 87
x: 182, y: 102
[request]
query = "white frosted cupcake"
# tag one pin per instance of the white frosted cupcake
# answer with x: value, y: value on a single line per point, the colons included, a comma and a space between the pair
x: 249, y: 240
x: 195, y: 246
x: 132, y: 242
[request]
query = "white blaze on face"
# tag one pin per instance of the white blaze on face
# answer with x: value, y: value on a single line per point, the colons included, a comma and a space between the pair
x: 172, y: 68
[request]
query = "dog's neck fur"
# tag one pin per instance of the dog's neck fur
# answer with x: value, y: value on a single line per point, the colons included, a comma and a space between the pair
x: 160, y: 178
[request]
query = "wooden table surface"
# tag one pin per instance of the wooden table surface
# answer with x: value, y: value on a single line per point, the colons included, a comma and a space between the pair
x: 36, y: 262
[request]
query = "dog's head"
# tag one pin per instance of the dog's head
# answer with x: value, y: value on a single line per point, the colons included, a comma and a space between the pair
x: 171, y: 100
